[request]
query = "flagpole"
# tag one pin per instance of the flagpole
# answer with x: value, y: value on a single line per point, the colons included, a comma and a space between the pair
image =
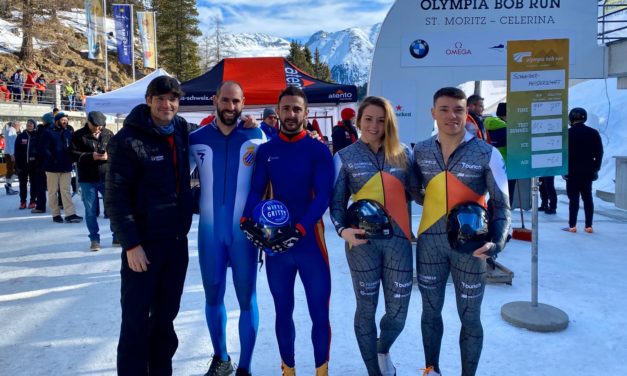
x: 132, y: 43
x: 105, y: 37
x: 155, y: 27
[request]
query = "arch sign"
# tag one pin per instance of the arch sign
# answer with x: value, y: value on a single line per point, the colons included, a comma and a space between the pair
x: 428, y: 44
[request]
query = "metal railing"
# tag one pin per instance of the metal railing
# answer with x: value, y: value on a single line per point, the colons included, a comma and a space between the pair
x: 612, y: 21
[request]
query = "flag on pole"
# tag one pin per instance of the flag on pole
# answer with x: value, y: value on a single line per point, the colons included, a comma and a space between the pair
x: 122, y: 14
x: 95, y: 29
x: 148, y: 38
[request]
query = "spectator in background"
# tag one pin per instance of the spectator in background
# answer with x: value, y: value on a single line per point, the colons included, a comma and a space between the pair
x: 10, y: 133
x: 27, y: 162
x: 15, y: 85
x: 40, y: 201
x: 4, y: 91
x: 474, y: 120
x: 344, y: 133
x: 56, y: 146
x: 3, y: 75
x: 89, y: 150
x: 68, y: 91
x: 548, y: 195
x: 585, y: 153
x: 29, y: 86
x: 270, y: 123
x: 79, y: 96
x: 40, y: 87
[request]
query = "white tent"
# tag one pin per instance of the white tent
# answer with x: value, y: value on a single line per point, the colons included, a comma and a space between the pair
x: 122, y: 100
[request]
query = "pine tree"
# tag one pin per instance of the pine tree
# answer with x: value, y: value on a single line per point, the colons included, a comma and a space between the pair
x: 301, y: 57
x: 362, y: 91
x: 321, y: 69
x: 177, y: 30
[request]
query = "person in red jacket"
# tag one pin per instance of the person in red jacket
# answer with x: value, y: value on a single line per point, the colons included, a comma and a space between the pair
x: 29, y: 85
x: 344, y: 133
x: 40, y: 87
x: 4, y: 92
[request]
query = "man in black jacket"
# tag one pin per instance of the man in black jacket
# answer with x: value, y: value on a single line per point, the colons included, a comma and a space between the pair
x: 585, y: 153
x: 27, y: 163
x: 56, y: 143
x: 89, y: 150
x: 149, y: 203
x: 40, y: 173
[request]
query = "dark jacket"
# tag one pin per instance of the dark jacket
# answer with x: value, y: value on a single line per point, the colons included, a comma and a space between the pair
x: 26, y: 154
x: 84, y: 144
x: 585, y: 152
x: 479, y: 121
x: 342, y: 135
x: 146, y: 197
x: 56, y: 145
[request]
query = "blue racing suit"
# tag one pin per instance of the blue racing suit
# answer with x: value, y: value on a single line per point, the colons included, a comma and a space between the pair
x: 225, y: 165
x: 300, y: 173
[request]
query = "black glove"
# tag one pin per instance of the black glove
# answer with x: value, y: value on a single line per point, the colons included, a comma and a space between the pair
x: 285, y: 240
x: 253, y: 233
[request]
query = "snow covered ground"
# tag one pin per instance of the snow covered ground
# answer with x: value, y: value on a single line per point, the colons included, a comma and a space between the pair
x: 60, y: 315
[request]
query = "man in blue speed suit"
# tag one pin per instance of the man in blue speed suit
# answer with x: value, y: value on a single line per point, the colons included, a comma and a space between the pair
x: 224, y: 154
x: 299, y: 170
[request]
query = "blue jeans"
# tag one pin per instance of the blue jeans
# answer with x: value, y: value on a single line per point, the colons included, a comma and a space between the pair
x: 89, y: 193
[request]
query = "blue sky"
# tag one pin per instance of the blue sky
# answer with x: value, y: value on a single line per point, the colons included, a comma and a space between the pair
x: 292, y: 19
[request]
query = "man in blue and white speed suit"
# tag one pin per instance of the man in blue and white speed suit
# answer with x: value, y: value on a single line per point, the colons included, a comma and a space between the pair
x: 224, y: 154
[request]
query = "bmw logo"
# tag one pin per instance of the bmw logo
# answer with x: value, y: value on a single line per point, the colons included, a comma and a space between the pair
x: 419, y: 49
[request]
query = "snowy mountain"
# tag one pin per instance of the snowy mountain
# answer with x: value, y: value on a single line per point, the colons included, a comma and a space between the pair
x: 254, y: 44
x: 347, y: 52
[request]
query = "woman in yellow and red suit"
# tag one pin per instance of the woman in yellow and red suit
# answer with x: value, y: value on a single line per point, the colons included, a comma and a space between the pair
x: 377, y: 167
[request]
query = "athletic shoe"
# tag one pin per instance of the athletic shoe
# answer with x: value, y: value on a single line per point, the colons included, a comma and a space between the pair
x: 588, y: 230
x: 73, y: 218
x: 32, y: 205
x: 429, y: 371
x: 323, y: 370
x: 22, y: 205
x: 242, y: 372
x: 9, y: 190
x: 570, y: 229
x: 220, y: 367
x: 95, y: 246
x: 550, y: 211
x: 37, y: 211
x: 385, y: 365
x: 288, y: 371
x: 543, y: 208
x: 57, y: 219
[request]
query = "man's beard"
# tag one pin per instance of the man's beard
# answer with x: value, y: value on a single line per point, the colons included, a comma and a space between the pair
x: 229, y: 122
x: 285, y: 130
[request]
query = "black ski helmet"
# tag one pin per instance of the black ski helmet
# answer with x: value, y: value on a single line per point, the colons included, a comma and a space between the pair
x: 578, y: 115
x: 467, y: 227
x: 370, y: 215
x: 273, y: 218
